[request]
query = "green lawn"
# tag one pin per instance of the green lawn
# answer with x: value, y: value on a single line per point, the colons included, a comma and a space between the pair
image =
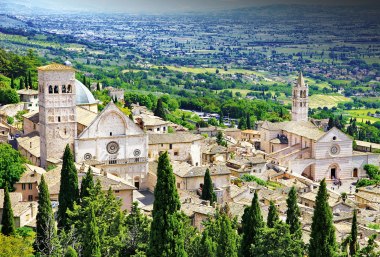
x: 327, y: 100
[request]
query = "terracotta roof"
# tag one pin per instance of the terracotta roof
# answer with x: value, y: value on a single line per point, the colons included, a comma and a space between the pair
x: 250, y: 131
x: 173, y: 138
x: 151, y: 120
x: 27, y: 92
x: 56, y: 67
x: 32, y: 174
x: 200, y: 171
x: 31, y: 143
x: 190, y: 208
x: 32, y: 116
x: 84, y: 116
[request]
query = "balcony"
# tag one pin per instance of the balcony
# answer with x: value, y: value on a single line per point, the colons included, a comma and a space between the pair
x: 126, y: 161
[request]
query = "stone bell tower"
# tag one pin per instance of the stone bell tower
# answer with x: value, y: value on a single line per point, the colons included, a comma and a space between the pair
x: 57, y: 111
x: 300, y: 100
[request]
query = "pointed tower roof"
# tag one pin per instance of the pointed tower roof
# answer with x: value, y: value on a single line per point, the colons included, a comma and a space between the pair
x: 300, y: 80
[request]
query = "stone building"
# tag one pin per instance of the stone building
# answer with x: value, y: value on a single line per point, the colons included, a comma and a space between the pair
x: 4, y: 133
x: 30, y: 99
x: 305, y: 149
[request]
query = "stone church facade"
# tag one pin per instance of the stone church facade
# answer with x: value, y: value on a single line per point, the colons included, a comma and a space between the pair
x: 111, y: 141
x: 303, y: 148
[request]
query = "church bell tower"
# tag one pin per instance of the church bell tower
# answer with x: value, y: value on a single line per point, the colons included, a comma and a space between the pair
x: 300, y: 100
x: 57, y: 111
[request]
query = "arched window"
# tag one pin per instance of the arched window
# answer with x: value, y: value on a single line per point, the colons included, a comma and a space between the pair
x: 63, y: 89
x: 50, y: 89
x: 56, y: 90
x: 68, y: 88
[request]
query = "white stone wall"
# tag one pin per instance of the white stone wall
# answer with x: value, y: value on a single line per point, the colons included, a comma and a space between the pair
x: 178, y: 152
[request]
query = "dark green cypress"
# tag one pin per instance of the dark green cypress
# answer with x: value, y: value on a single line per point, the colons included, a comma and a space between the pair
x: 160, y: 111
x: 227, y: 239
x: 87, y: 184
x: 207, y: 246
x: 26, y: 81
x: 45, y: 230
x: 252, y: 222
x: 208, y: 189
x: 12, y: 82
x: 68, y: 191
x: 98, y: 86
x: 21, y: 86
x: 70, y: 252
x: 166, y: 234
x: 273, y: 217
x: 7, y: 223
x: 30, y: 81
x: 354, y: 245
x: 322, y: 237
x: 91, y: 244
x: 293, y: 214
x: 249, y: 125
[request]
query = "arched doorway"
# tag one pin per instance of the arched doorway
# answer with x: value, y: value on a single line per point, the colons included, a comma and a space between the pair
x: 333, y: 171
x: 136, y: 181
x: 355, y: 173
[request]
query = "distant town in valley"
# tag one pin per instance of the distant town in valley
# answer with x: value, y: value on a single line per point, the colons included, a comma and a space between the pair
x: 224, y: 133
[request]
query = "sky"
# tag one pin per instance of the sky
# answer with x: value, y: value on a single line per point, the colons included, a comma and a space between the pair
x: 133, y: 6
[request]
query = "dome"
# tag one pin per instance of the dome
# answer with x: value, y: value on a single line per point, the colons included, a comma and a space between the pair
x: 84, y: 96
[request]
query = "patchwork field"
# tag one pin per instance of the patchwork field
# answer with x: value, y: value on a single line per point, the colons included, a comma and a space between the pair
x: 362, y: 115
x: 327, y: 100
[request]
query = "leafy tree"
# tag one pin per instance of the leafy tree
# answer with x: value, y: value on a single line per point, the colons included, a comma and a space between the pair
x: 13, y: 246
x: 370, y: 249
x: 108, y: 218
x: 208, y: 188
x: 10, y: 120
x: 70, y: 252
x: 46, y: 237
x: 322, y: 238
x: 220, y: 139
x: 7, y: 222
x: 252, y: 222
x: 91, y: 245
x: 354, y: 245
x: 160, y: 110
x: 277, y: 242
x: 87, y: 184
x: 9, y: 96
x: 203, y: 246
x: 273, y: 217
x: 30, y: 81
x: 227, y: 239
x: 293, y: 214
x: 242, y: 123
x: 137, y: 225
x: 68, y: 191
x: 166, y: 234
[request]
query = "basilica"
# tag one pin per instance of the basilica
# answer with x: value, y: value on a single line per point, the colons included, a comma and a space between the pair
x: 68, y: 115
x: 301, y: 147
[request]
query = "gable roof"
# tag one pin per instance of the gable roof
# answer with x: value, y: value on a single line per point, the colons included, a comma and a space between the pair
x: 336, y: 132
x: 111, y: 107
x: 56, y: 67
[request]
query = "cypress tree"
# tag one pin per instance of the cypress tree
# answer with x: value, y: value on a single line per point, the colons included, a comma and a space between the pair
x: 98, y: 86
x: 166, y: 234
x: 208, y: 189
x: 207, y: 246
x: 322, y: 237
x: 227, y: 239
x: 12, y: 82
x: 252, y: 222
x: 30, y: 81
x: 21, y: 86
x: 91, y: 244
x: 70, y: 252
x: 249, y: 125
x: 160, y: 111
x: 68, y: 191
x: 26, y: 81
x: 87, y: 184
x: 293, y: 214
x: 7, y: 222
x: 273, y: 217
x: 45, y: 230
x: 354, y: 245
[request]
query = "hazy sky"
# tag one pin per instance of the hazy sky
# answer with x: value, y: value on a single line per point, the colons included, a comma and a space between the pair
x: 171, y: 5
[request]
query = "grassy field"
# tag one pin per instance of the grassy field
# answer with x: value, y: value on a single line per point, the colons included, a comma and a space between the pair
x: 211, y: 70
x: 327, y: 100
x: 362, y: 114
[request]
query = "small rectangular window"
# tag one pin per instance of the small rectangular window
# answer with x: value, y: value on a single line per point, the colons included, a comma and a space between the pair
x: 23, y: 186
x: 170, y: 146
x: 30, y: 186
x: 30, y: 197
x: 175, y: 153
